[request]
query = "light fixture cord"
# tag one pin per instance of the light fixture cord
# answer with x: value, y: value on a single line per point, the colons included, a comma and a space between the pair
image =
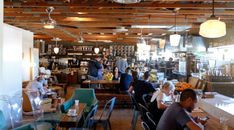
x: 213, y: 8
x: 175, y: 21
x: 56, y: 43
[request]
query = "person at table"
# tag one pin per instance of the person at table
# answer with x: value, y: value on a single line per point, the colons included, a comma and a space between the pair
x: 143, y: 87
x: 177, y: 117
x: 116, y: 74
x: 100, y: 71
x: 158, y: 102
x: 135, y: 77
x: 93, y: 68
x: 125, y: 80
x: 122, y: 64
x: 39, y: 84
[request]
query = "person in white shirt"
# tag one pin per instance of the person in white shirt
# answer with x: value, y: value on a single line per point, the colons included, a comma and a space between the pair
x: 161, y: 99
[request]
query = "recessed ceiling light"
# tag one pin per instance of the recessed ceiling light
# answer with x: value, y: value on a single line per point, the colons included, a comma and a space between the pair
x: 81, y: 12
x: 138, y: 34
x: 150, y: 34
x: 150, y: 26
x: 102, y: 33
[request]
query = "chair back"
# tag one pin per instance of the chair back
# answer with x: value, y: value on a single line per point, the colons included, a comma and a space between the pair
x: 143, y: 111
x: 152, y: 125
x: 134, y: 102
x: 35, y: 101
x: 144, y: 126
x: 92, y: 113
x: 3, y: 124
x: 146, y: 99
x: 85, y: 95
x: 108, y: 108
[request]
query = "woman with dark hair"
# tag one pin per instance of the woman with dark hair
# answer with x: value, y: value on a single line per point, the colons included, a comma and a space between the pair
x: 116, y: 74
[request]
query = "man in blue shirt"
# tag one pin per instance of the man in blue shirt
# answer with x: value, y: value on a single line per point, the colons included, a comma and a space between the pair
x: 126, y: 80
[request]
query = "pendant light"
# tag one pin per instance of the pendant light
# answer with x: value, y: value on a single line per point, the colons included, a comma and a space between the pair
x: 213, y: 27
x: 50, y: 24
x: 175, y: 38
x: 96, y: 49
x: 56, y: 48
x: 127, y: 1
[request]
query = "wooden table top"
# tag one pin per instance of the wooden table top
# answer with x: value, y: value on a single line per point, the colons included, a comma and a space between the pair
x: 212, y: 123
x: 71, y: 121
x: 101, y: 82
x: 219, y: 107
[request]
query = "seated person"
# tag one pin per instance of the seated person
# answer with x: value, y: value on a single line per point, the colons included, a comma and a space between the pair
x: 125, y: 80
x: 39, y: 84
x: 116, y: 74
x: 176, y: 116
x: 159, y: 99
x: 143, y: 87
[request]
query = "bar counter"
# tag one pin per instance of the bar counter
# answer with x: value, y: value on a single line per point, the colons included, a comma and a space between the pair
x: 220, y: 107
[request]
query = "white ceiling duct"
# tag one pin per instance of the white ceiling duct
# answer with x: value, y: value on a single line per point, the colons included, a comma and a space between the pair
x: 127, y: 1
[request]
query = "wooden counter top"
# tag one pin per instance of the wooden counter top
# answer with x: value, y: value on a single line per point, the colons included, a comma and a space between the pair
x: 219, y: 107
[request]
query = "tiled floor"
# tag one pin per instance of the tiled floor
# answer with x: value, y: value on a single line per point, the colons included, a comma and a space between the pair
x: 120, y: 120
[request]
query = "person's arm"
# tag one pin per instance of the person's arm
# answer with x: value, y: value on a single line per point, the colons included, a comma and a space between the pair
x: 187, y: 121
x: 193, y: 126
x: 130, y: 90
x: 98, y: 65
x: 160, y: 103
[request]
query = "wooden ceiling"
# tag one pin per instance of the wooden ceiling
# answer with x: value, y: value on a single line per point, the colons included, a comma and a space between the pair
x: 98, y: 19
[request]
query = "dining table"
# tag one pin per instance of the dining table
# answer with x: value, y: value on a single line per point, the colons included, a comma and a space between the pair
x: 63, y: 120
x: 68, y: 121
x: 101, y: 82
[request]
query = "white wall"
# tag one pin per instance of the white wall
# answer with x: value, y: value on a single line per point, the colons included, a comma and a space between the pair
x: 1, y: 38
x: 11, y: 60
x: 27, y: 41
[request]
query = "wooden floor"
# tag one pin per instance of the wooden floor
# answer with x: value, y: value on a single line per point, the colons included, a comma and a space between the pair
x: 120, y: 120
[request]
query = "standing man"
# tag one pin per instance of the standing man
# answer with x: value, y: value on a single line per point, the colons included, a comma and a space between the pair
x: 122, y: 64
x: 178, y: 117
x: 93, y: 68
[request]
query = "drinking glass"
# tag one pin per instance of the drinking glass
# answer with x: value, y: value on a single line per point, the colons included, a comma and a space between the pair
x: 223, y: 121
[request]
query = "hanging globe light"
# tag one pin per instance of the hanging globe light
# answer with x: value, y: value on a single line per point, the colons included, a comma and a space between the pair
x: 175, y: 38
x: 96, y: 50
x: 213, y: 27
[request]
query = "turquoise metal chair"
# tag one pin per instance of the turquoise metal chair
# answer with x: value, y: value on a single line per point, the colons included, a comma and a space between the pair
x: 104, y: 118
x: 3, y: 124
x: 35, y: 126
x: 84, y: 95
